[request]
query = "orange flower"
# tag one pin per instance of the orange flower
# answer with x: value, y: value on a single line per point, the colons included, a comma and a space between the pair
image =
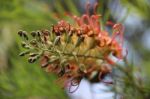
x: 83, y: 49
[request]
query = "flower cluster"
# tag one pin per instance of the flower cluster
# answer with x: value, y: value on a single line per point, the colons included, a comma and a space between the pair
x: 75, y: 51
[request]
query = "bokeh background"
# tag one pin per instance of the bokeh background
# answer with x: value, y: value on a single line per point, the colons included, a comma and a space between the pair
x: 21, y: 80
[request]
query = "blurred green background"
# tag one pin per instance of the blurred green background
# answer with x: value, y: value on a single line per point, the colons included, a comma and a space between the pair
x: 21, y: 80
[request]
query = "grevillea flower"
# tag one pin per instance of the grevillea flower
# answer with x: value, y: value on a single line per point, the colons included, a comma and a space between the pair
x: 75, y: 51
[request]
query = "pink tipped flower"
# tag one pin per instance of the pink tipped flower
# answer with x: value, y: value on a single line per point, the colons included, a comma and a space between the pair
x: 75, y: 51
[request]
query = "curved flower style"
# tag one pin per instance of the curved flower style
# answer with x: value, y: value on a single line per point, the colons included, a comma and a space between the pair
x: 75, y: 51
